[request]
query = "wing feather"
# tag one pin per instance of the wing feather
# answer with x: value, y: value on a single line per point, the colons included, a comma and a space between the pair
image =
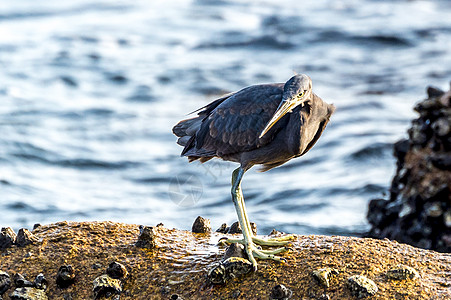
x: 234, y: 125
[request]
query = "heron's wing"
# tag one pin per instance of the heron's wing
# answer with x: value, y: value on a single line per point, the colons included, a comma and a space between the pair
x: 235, y: 124
x: 329, y: 111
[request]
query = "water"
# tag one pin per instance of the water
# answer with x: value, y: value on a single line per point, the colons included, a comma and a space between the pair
x: 90, y: 90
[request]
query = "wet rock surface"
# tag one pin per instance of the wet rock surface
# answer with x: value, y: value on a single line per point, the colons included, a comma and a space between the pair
x: 178, y: 265
x: 418, y: 211
x: 28, y: 293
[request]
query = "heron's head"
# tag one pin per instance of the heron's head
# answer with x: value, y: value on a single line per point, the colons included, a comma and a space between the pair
x: 296, y: 91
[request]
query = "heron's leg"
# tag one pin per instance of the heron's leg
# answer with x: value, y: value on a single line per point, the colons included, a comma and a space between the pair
x: 240, y: 197
x: 237, y: 197
x: 278, y: 241
x: 251, y: 249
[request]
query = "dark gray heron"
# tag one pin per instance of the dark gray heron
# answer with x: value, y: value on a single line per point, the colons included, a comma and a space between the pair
x: 267, y: 125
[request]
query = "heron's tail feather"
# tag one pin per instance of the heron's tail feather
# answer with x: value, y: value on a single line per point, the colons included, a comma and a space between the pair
x: 187, y: 127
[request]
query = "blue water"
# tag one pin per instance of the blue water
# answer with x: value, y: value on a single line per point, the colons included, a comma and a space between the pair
x: 90, y: 90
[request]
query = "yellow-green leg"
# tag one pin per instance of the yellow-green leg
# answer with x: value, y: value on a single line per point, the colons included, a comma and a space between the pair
x: 249, y: 240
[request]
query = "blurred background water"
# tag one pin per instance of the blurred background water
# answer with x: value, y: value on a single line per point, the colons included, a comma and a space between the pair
x: 90, y: 90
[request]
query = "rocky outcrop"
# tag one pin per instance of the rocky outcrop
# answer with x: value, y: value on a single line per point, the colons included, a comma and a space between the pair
x: 418, y: 211
x: 101, y: 260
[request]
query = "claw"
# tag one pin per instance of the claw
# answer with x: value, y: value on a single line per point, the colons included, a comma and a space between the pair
x: 222, y: 241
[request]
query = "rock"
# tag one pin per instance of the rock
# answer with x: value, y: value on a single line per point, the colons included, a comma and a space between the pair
x: 146, y: 237
x: 361, y: 286
x: 179, y: 265
x: 418, y: 209
x: 236, y: 228
x: 5, y: 282
x: 228, y: 269
x: 105, y: 286
x: 324, y: 275
x: 65, y: 276
x: 28, y: 293
x: 223, y: 228
x: 25, y: 237
x: 40, y: 282
x: 201, y: 225
x: 235, y: 250
x: 280, y: 292
x: 7, y: 237
x: 116, y: 270
x: 402, y: 272
x: 20, y: 281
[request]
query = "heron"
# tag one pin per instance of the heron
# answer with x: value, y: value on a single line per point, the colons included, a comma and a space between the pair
x: 264, y: 124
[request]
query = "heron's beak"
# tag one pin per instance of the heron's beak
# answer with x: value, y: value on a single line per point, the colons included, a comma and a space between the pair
x: 285, y: 106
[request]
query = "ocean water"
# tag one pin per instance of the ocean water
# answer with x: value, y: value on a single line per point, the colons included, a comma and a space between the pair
x: 90, y: 90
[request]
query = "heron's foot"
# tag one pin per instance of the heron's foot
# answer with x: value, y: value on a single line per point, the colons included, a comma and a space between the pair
x: 254, y: 251
x: 278, y: 241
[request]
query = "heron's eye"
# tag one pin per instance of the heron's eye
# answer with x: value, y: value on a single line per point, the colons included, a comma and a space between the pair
x: 301, y: 95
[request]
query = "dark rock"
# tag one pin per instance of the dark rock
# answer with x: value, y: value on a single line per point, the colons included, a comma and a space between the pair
x: 235, y: 250
x: 5, y: 282
x: 280, y: 292
x: 65, y: 276
x: 420, y: 194
x: 434, y: 92
x: 176, y: 297
x: 223, y: 228
x: 20, y: 281
x: 40, y: 282
x: 228, y: 269
x: 96, y: 266
x: 275, y: 232
x: 105, y: 286
x: 236, y: 228
x: 37, y: 225
x: 25, y: 237
x: 147, y: 237
x: 201, y: 225
x: 116, y: 270
x: 7, y: 237
x: 442, y: 162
